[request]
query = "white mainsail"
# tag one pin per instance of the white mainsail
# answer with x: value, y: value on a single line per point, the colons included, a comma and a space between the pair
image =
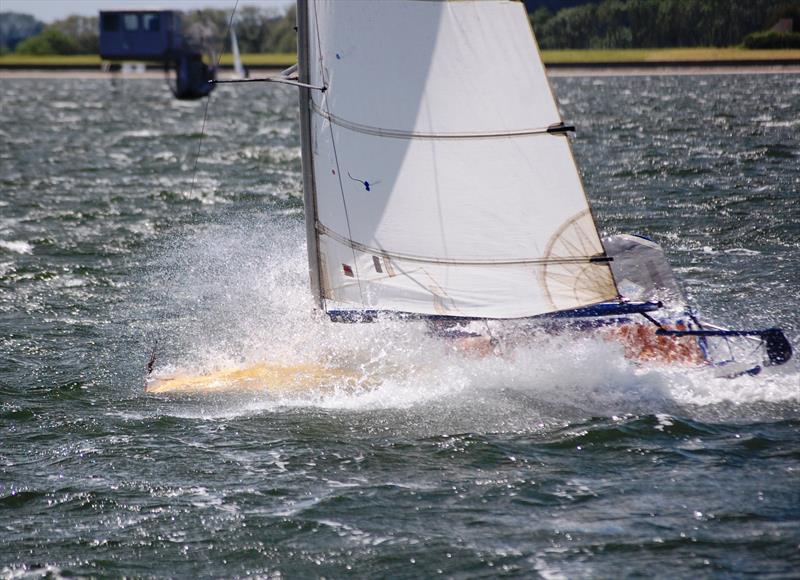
x: 432, y: 184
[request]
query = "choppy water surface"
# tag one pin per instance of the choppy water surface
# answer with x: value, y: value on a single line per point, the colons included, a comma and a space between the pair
x: 562, y: 461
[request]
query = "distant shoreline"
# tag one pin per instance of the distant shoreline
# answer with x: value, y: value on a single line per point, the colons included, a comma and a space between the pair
x: 571, y: 62
x: 553, y: 69
x: 667, y: 69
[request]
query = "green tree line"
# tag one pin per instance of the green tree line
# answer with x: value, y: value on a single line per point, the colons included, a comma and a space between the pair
x: 659, y: 23
x: 258, y: 30
x: 72, y: 35
x: 605, y: 24
x: 14, y: 28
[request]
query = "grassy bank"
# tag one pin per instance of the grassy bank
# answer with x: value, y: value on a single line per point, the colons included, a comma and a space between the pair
x: 50, y: 60
x: 645, y: 55
x: 274, y: 59
x: 597, y: 57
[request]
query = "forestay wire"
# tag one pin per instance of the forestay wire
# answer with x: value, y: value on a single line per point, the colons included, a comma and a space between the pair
x: 151, y: 361
x: 208, y: 101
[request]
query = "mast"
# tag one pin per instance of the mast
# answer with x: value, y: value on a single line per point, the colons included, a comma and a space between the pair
x: 309, y: 184
x: 442, y: 181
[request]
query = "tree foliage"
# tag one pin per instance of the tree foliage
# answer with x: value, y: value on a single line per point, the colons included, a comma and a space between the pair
x: 15, y: 27
x: 657, y: 23
x: 258, y: 30
x: 262, y: 30
x: 71, y: 35
x: 770, y: 39
x: 50, y: 41
x: 82, y: 29
x: 593, y: 24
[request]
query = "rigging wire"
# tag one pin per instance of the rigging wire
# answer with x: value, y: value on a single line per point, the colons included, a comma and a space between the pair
x: 208, y: 102
x: 151, y: 361
x: 277, y: 79
x: 555, y: 129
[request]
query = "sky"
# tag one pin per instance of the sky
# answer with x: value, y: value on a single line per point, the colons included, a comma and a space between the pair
x: 49, y: 10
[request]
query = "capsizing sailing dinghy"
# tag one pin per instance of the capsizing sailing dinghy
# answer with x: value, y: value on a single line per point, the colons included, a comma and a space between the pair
x: 274, y: 378
x: 439, y: 184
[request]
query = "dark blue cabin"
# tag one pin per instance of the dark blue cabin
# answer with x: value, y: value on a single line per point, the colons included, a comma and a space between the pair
x: 155, y: 36
x: 140, y: 34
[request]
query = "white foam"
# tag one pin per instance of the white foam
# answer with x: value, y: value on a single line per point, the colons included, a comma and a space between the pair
x: 17, y: 246
x: 26, y: 571
x: 742, y: 252
x: 237, y: 294
x: 6, y: 267
x: 140, y: 134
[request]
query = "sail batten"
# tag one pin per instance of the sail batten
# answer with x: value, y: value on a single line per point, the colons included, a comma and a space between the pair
x: 400, y: 134
x: 437, y: 192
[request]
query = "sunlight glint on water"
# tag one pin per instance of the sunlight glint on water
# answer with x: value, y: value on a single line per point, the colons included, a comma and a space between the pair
x: 559, y: 458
